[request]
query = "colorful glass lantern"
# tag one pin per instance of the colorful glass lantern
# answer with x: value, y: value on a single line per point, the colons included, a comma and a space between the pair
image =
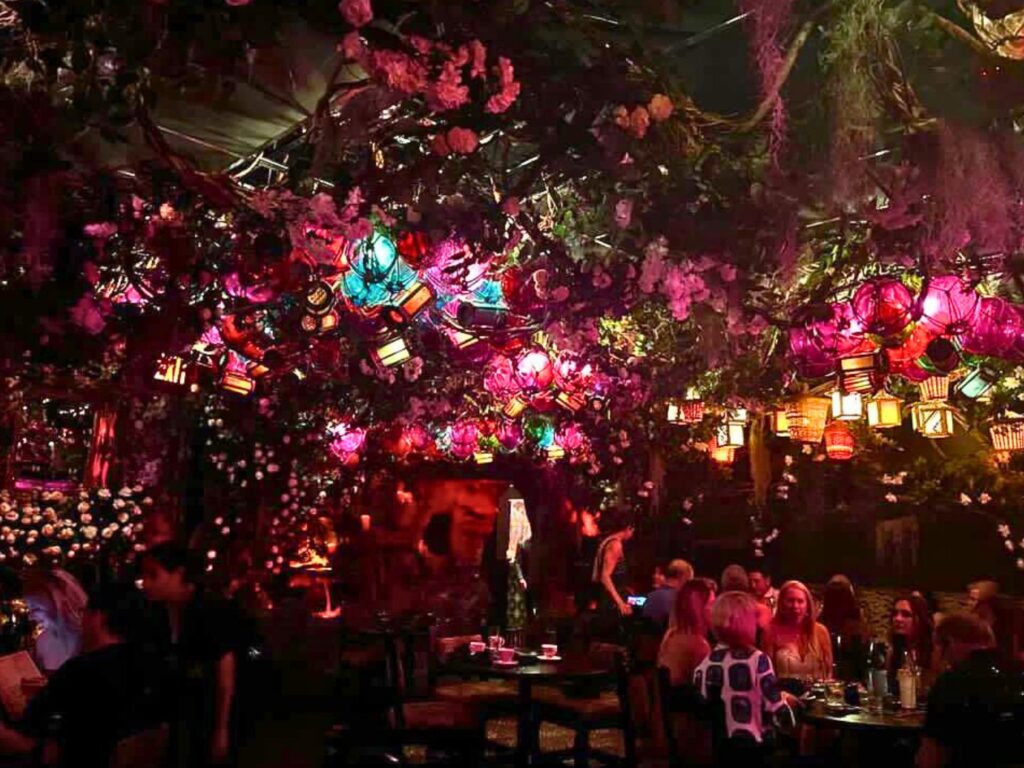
x: 237, y: 382
x: 730, y: 434
x: 810, y: 360
x: 949, y: 306
x: 933, y: 419
x: 329, y: 321
x: 534, y: 370
x: 806, y: 416
x: 509, y: 434
x: 1008, y: 435
x: 514, y: 408
x: 391, y: 351
x: 464, y: 339
x: 935, y: 388
x: 978, y: 382
x: 941, y: 356
x: 883, y: 306
x: 779, y: 422
x: 555, y: 452
x: 911, y: 350
x: 861, y: 373
x: 842, y: 334
x: 414, y: 247
x: 410, y: 303
x: 570, y: 401
x: 847, y: 406
x: 319, y: 298
x: 171, y: 369
x: 995, y: 329
x: 483, y: 457
x: 839, y: 441
x: 885, y: 411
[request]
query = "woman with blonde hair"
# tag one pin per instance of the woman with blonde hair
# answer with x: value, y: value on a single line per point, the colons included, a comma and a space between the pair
x: 56, y: 602
x: 798, y: 645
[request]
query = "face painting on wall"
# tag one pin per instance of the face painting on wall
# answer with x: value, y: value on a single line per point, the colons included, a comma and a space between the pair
x: 471, y: 505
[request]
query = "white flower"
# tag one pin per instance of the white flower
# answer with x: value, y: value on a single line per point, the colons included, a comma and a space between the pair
x: 90, y: 531
x: 12, y: 516
x: 687, y: 504
x: 125, y: 493
x: 788, y: 460
x: 86, y: 519
x: 1020, y: 564
x: 965, y: 499
x: 273, y: 468
x: 984, y: 498
x: 789, y: 478
x: 1004, y: 530
x: 5, y: 507
x: 83, y: 507
x: 892, y: 498
x: 123, y: 517
x: 147, y: 501
x: 1009, y: 545
x: 137, y: 488
x: 107, y: 533
x: 806, y: 449
x: 687, y: 521
x: 47, y: 530
x: 103, y: 493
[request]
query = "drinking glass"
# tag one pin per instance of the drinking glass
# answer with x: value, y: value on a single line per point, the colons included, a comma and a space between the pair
x: 834, y: 693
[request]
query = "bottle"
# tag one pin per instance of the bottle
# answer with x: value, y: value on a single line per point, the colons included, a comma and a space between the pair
x: 906, y: 678
x: 877, y: 679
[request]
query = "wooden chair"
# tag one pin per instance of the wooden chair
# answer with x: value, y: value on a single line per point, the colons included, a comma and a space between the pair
x: 688, y: 733
x: 141, y: 750
x: 606, y: 710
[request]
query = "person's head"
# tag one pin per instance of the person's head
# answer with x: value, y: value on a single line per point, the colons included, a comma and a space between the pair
x: 115, y: 613
x: 958, y: 635
x: 796, y: 606
x: 735, y: 579
x: 693, y: 607
x: 55, y: 601
x: 711, y: 584
x: 912, y: 621
x: 678, y: 572
x: 734, y: 619
x: 839, y: 606
x: 980, y: 592
x: 760, y: 582
x: 168, y: 573
x: 658, y: 577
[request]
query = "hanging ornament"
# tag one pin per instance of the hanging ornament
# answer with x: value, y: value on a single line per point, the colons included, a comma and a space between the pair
x: 810, y: 361
x: 346, y: 442
x: 935, y: 388
x: 779, y: 422
x: 847, y: 406
x: 839, y: 441
x: 883, y: 306
x: 538, y: 429
x: 509, y: 434
x: 862, y: 373
x: 941, y: 355
x: 978, y: 382
x: 1008, y: 435
x: 500, y: 378
x: 841, y: 334
x: 414, y: 247
x: 933, y: 419
x: 949, y: 306
x: 806, y: 416
x: 995, y: 329
x: 885, y: 411
x: 534, y: 370
x: 464, y: 437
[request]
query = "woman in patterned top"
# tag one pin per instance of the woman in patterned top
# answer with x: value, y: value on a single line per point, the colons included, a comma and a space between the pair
x: 740, y: 678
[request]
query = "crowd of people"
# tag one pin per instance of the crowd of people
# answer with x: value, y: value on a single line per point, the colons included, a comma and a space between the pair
x: 735, y: 639
x: 159, y: 657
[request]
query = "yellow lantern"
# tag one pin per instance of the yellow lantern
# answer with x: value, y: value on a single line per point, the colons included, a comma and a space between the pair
x: 514, y: 407
x: 238, y: 383
x: 847, y: 406
x: 885, y: 411
x: 1008, y: 436
x: 932, y: 418
x: 860, y: 373
x: 464, y: 339
x: 412, y: 301
x: 779, y: 422
x: 171, y: 369
x: 806, y: 416
x: 935, y: 388
x: 391, y: 352
x: 721, y: 454
x: 730, y: 434
x: 483, y: 457
x: 685, y: 411
x: 571, y: 402
x: 555, y: 452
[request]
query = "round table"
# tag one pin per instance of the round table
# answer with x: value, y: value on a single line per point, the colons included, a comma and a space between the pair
x: 865, y: 737
x: 907, y: 722
x: 526, y: 673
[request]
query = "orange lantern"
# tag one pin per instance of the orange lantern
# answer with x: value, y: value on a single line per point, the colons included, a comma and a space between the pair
x: 839, y: 441
x: 806, y: 416
x: 935, y: 388
x: 779, y: 422
x: 885, y: 411
x: 1008, y: 436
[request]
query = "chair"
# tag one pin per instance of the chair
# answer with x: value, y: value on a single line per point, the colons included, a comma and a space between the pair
x: 141, y: 750
x: 606, y: 710
x: 688, y: 733
x: 493, y: 696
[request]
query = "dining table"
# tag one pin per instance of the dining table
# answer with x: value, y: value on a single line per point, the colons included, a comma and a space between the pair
x: 529, y: 670
x: 865, y: 734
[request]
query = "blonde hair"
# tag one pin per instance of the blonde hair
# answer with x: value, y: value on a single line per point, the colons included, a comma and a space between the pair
x: 64, y: 594
x: 807, y: 638
x: 679, y: 569
x: 734, y: 619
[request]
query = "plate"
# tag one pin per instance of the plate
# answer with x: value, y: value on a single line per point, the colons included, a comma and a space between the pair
x: 549, y: 658
x: 500, y: 663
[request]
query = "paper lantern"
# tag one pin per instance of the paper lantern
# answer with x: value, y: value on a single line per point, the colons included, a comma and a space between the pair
x: 571, y: 438
x: 171, y: 369
x: 237, y: 383
x: 1008, y: 435
x: 414, y: 247
x: 978, y: 382
x: 464, y: 439
x: 995, y: 329
x: 555, y: 452
x: 839, y: 441
x: 806, y: 416
x: 941, y: 356
x: 949, y: 306
x: 570, y: 401
x: 391, y: 351
x: 911, y: 350
x: 883, y: 306
x: 534, y: 370
x: 779, y: 422
x: 410, y: 303
x: 319, y: 298
x: 862, y: 373
x: 885, y: 411
x: 509, y: 434
x: 730, y: 434
x: 847, y: 406
x: 483, y: 457
x: 685, y: 411
x: 842, y: 334
x: 464, y: 339
x: 721, y: 454
x: 810, y: 360
x: 933, y: 419
x: 935, y: 388
x: 514, y: 408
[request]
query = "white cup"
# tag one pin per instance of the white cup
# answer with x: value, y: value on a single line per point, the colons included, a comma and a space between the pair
x: 548, y: 650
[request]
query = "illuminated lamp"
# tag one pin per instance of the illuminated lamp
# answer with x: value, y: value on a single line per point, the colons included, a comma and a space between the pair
x: 933, y: 419
x: 555, y: 452
x: 414, y: 247
x: 685, y: 411
x: 935, y: 388
x: 329, y: 322
x: 883, y: 306
x: 721, y: 454
x: 171, y: 369
x: 730, y: 434
x: 738, y: 415
x: 464, y: 339
x: 206, y: 355
x: 949, y: 305
x: 410, y: 303
x: 483, y: 457
x: 310, y: 323
x: 839, y: 441
x: 320, y: 298
x: 391, y: 352
x: 978, y: 382
x: 847, y: 406
x: 1008, y: 435
x: 996, y: 328
x: 237, y: 382
x: 534, y: 370
x: 570, y: 401
x: 256, y: 370
x: 885, y: 411
x: 861, y: 373
x: 806, y: 416
x: 514, y: 408
x: 779, y: 422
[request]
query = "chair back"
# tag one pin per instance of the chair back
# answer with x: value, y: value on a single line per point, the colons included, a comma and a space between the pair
x: 144, y: 749
x: 688, y: 723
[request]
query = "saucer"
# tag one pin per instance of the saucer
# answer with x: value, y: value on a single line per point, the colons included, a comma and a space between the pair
x: 500, y: 663
x: 549, y: 658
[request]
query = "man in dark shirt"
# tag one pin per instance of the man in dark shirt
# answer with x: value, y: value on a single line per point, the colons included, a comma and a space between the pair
x: 114, y: 689
x: 976, y: 708
x: 658, y: 607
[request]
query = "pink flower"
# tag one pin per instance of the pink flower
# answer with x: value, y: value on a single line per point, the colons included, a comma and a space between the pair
x: 510, y: 205
x: 358, y: 13
x: 601, y: 279
x: 101, y: 230
x: 421, y: 45
x: 623, y: 213
x: 448, y: 92
x: 501, y: 101
x: 639, y: 122
x: 399, y: 71
x: 462, y: 141
x: 439, y: 146
x: 352, y: 46
x: 87, y: 314
x: 479, y: 58
x: 727, y: 272
x: 660, y: 107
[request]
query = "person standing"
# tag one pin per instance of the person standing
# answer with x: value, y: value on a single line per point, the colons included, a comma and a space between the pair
x: 610, y: 564
x: 660, y: 602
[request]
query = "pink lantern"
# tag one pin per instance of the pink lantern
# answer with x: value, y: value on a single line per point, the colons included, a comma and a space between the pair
x: 949, y: 306
x: 883, y: 306
x: 346, y: 442
x: 418, y: 437
x: 500, y: 378
x: 571, y: 373
x: 509, y: 434
x: 455, y: 269
x: 464, y: 439
x: 534, y: 370
x: 571, y: 438
x: 995, y: 329
x: 807, y: 357
x: 841, y: 335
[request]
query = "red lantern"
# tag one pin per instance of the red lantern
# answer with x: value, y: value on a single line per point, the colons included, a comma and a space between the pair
x: 842, y: 334
x: 883, y: 306
x: 534, y: 370
x: 414, y: 247
x: 949, y: 306
x: 839, y: 441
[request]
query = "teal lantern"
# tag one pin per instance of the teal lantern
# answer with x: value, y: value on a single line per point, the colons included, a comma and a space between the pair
x: 978, y: 382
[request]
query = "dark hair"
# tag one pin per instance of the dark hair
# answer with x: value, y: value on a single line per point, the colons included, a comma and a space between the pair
x: 123, y: 607
x: 735, y: 579
x: 839, y: 608
x: 615, y: 520
x: 964, y: 628
x: 173, y: 557
x: 921, y: 638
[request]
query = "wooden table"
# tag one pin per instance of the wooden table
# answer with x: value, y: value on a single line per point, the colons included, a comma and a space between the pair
x: 571, y: 668
x: 899, y: 722
x: 867, y: 738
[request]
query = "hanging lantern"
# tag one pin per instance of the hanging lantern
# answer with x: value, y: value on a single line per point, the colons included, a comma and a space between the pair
x: 839, y: 441
x: 509, y: 434
x: 841, y: 334
x: 237, y: 382
x: 996, y: 327
x: 1008, y: 435
x: 329, y: 321
x: 555, y: 452
x: 910, y: 351
x: 883, y: 306
x: 738, y: 415
x: 806, y: 416
x: 391, y: 351
x: 534, y: 370
x: 933, y: 419
x: 730, y: 434
x: 935, y: 388
x: 941, y: 356
x: 861, y: 373
x: 514, y: 408
x: 685, y: 411
x: 464, y: 339
x: 885, y: 411
x: 949, y: 306
x: 570, y: 401
x: 978, y: 382
x: 721, y: 454
x: 810, y: 361
x: 319, y: 298
x: 483, y: 457
x: 779, y: 422
x: 414, y: 247
x: 410, y: 303
x: 171, y: 369
x: 847, y: 406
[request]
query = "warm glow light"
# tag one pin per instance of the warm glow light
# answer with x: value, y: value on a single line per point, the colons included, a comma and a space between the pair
x: 860, y: 373
x: 413, y: 301
x: 935, y: 388
x: 555, y: 452
x: 483, y: 457
x: 885, y: 412
x: 730, y: 434
x: 779, y: 422
x: 239, y: 383
x: 464, y: 339
x: 839, y: 441
x: 978, y: 382
x: 807, y: 416
x: 569, y: 401
x: 933, y: 419
x: 171, y: 369
x: 685, y: 411
x: 514, y: 407
x: 847, y: 406
x: 1008, y: 436
x: 392, y: 352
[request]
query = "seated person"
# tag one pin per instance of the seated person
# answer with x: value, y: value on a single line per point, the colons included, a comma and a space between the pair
x: 112, y: 690
x: 738, y: 680
x: 658, y: 607
x: 685, y: 644
x: 976, y: 708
